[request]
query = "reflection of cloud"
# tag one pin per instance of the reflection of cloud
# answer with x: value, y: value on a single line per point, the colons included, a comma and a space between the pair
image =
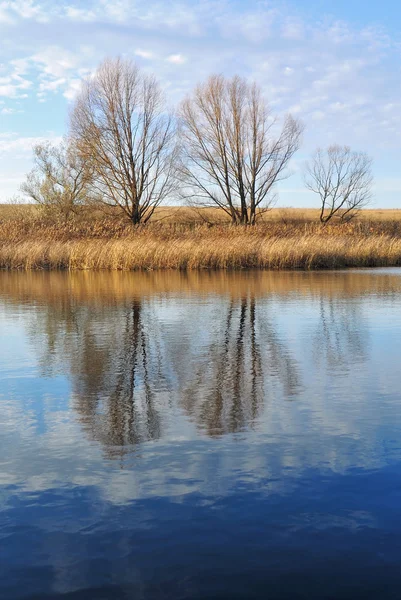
x: 274, y: 460
x: 91, y: 494
x: 153, y: 375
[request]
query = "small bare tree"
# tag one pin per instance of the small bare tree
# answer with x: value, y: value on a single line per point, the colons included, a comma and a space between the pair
x: 232, y: 156
x: 59, y: 181
x: 343, y: 180
x: 120, y: 125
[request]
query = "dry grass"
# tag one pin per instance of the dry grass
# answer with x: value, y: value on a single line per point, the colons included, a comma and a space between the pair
x: 179, y: 239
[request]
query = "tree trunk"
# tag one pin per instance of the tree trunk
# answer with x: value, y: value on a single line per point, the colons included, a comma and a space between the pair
x: 135, y: 216
x: 234, y: 216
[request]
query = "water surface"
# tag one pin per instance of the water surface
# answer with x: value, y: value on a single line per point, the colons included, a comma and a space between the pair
x: 202, y: 435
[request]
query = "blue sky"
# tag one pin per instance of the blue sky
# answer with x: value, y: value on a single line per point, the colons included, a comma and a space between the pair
x: 336, y: 65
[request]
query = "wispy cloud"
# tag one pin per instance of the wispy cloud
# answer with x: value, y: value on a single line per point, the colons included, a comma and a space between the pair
x: 143, y: 53
x: 176, y: 59
x: 9, y: 111
x: 340, y: 78
x: 22, y: 146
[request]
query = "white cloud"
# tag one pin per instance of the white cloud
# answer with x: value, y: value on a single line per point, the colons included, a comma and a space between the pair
x: 143, y: 53
x: 12, y: 84
x: 59, y: 69
x: 293, y: 29
x: 25, y: 9
x: 5, y: 16
x: 9, y: 90
x: 391, y: 106
x: 79, y: 14
x: 254, y: 26
x: 318, y: 115
x: 176, y: 59
x: 342, y: 80
x: 52, y: 85
x: 338, y: 106
x: 73, y: 88
x: 20, y: 65
x: 55, y: 61
x: 295, y: 109
x: 18, y: 147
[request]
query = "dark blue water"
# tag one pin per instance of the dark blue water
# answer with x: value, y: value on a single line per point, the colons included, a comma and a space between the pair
x: 200, y: 436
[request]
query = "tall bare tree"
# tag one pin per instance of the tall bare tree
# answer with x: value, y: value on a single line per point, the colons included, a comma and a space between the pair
x: 120, y: 123
x: 343, y: 180
x: 59, y: 180
x: 232, y: 154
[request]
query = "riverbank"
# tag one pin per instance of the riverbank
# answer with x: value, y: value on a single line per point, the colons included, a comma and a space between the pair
x: 112, y: 244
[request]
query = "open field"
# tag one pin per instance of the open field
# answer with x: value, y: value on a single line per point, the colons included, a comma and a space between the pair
x: 180, y: 238
x: 183, y: 214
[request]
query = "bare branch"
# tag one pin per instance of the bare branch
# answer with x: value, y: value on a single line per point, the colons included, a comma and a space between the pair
x: 342, y: 179
x: 60, y: 179
x: 231, y: 158
x: 120, y: 125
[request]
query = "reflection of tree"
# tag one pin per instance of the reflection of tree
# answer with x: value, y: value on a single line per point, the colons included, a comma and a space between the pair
x: 119, y: 407
x: 133, y: 365
x: 341, y: 339
x: 113, y: 357
x: 232, y: 376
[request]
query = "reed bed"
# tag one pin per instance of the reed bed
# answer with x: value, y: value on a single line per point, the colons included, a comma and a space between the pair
x: 113, y: 244
x: 301, y: 252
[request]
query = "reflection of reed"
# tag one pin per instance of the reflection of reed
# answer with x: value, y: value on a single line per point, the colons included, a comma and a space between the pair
x: 110, y: 288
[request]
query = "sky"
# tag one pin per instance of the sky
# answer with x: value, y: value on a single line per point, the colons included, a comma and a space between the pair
x: 334, y: 64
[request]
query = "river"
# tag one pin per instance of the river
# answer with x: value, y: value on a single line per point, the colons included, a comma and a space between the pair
x: 200, y: 435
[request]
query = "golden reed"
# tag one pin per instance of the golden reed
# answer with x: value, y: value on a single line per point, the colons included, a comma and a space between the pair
x: 291, y: 241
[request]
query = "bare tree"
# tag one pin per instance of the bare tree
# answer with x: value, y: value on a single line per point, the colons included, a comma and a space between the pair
x: 120, y: 124
x: 343, y: 180
x: 232, y: 156
x: 59, y: 180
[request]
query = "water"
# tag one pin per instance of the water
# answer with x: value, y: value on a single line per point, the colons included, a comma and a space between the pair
x: 200, y: 436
